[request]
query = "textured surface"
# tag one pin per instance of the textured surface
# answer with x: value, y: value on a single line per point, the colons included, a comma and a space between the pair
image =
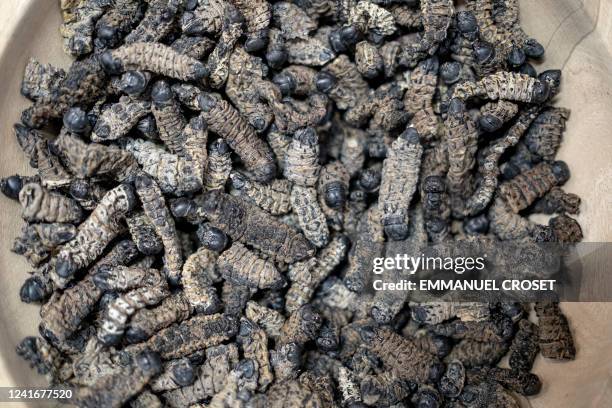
x: 578, y: 38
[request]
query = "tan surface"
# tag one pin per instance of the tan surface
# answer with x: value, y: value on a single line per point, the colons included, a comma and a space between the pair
x: 578, y: 37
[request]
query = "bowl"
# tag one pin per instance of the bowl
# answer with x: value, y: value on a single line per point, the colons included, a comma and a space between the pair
x: 578, y: 39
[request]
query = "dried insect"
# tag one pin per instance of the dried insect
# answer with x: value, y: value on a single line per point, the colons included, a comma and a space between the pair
x: 40, y: 81
x: 144, y: 234
x: 38, y: 240
x: 11, y: 186
x: 555, y: 337
x: 436, y: 17
x: 453, y: 380
x: 545, y: 133
x: 462, y: 144
x: 427, y: 395
x: 401, y: 356
x: 174, y: 174
x: 383, y: 389
x: 524, y: 347
x: 437, y: 312
x: 257, y: 17
x: 310, y: 51
x: 349, y: 388
x: 157, y: 22
x: 79, y: 19
x: 125, y: 384
x: 146, y: 322
x: 205, y: 18
x: 489, y: 168
x: 235, y: 297
x: 211, y: 377
x: 524, y: 383
x: 292, y: 20
x: 292, y: 114
x: 88, y: 160
x: 155, y: 208
x: 387, y: 304
x: 399, y: 179
x: 472, y: 353
x: 219, y: 166
x: 524, y: 189
x: 119, y: 118
x: 247, y: 74
x: 418, y: 99
x: 487, y: 394
x: 38, y: 287
x: 114, y: 323
x: 273, y: 198
x: 505, y: 85
x: 496, y: 329
x: 436, y: 208
x: 94, y: 234
x: 301, y: 326
x: 250, y: 225
x: 343, y: 83
x: 45, y: 358
x: 508, y: 225
x: 493, y: 115
x: 506, y: 16
x: 168, y: 116
x: 268, y: 319
x: 305, y: 391
x: 296, y: 80
x: 557, y: 201
x: 197, y: 281
x: 276, y: 52
x: 84, y: 84
x: 254, y: 342
x: 372, y: 18
x: 241, y: 266
x: 368, y: 59
x: 368, y: 245
x: 175, y: 374
x: 310, y: 216
x: 224, y: 120
x: 566, y: 229
x: 40, y: 204
x: 196, y: 333
x: 146, y: 399
x: 406, y: 15
x: 521, y: 160
x: 116, y: 22
x: 218, y: 60
x: 305, y: 276
x: 194, y: 47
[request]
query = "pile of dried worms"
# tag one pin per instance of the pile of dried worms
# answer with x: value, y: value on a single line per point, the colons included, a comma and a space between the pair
x: 214, y: 177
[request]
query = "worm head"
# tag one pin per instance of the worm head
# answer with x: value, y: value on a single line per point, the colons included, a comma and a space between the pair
x: 76, y: 120
x: 212, y: 238
x: 149, y: 362
x: 110, y: 64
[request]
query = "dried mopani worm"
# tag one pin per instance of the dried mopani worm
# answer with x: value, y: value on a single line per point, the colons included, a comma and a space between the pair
x: 95, y: 233
x: 240, y: 265
x: 174, y: 174
x: 154, y: 57
x: 119, y: 118
x: 155, y: 208
x: 40, y: 204
x: 196, y: 333
x: 399, y: 180
x: 224, y: 120
x: 197, y: 281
